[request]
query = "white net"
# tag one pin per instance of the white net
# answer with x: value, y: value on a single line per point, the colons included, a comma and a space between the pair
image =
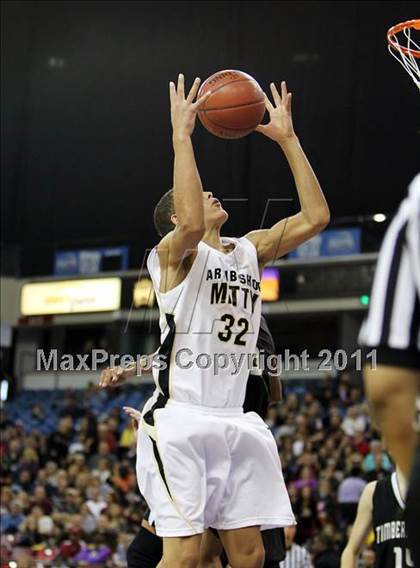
x: 402, y: 48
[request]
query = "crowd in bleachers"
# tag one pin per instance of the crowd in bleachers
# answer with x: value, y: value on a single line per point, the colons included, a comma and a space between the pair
x: 69, y: 494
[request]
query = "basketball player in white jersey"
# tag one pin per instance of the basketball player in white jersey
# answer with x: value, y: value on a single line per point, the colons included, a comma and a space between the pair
x: 200, y: 458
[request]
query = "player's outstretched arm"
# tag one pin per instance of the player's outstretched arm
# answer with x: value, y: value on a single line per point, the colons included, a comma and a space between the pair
x: 314, y: 215
x: 188, y: 191
x: 115, y: 376
x: 361, y: 527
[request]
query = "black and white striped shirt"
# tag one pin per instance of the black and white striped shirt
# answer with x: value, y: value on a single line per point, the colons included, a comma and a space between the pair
x: 296, y: 557
x: 393, y: 321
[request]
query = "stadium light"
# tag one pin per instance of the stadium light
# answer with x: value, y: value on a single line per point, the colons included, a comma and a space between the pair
x: 379, y: 217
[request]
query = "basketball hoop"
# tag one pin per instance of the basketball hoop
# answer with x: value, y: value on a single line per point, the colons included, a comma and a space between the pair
x: 403, y: 47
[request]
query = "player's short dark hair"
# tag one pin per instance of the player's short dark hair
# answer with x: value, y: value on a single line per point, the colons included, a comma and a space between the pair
x: 164, y: 210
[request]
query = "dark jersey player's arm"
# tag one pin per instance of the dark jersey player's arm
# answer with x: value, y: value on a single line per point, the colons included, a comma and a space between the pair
x: 314, y: 213
x: 361, y: 528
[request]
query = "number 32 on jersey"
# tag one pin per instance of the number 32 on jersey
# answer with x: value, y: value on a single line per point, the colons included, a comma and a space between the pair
x: 226, y: 334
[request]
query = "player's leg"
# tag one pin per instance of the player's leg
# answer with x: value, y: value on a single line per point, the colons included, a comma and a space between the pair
x: 181, y: 552
x: 210, y: 551
x: 146, y: 549
x: 391, y: 392
x: 255, y: 493
x: 244, y: 547
x: 175, y: 495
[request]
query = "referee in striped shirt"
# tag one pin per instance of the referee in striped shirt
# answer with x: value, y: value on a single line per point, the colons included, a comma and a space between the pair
x: 296, y: 556
x: 392, y: 327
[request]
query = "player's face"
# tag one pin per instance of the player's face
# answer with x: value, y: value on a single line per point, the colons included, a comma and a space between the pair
x: 214, y: 214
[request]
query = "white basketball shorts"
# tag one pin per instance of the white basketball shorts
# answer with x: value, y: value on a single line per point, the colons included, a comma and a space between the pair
x: 200, y: 467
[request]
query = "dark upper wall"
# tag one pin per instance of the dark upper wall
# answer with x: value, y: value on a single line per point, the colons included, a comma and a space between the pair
x: 86, y: 143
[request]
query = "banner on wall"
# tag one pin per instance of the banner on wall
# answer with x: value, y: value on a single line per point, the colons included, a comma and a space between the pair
x: 90, y: 261
x: 332, y: 242
x: 70, y: 296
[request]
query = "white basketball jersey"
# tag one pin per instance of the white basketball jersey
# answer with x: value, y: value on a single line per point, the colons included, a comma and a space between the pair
x: 209, y: 326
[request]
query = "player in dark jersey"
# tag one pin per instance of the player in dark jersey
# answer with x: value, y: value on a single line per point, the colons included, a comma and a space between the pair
x: 381, y: 509
x: 263, y: 387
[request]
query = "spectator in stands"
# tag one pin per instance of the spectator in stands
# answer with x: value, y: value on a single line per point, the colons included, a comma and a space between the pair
x: 379, y: 471
x: 95, y: 503
x: 29, y: 531
x: 71, y: 545
x: 124, y: 478
x: 306, y: 512
x: 104, y: 470
x: 287, y: 429
x: 12, y: 518
x: 24, y: 481
x: 343, y: 389
x: 59, y: 440
x: 324, y: 553
x: 376, y: 452
x: 51, y: 472
x: 354, y: 422
x: 105, y: 434
x: 88, y: 430
x: 87, y: 521
x: 103, y: 452
x: 41, y: 500
x: 306, y: 478
x: 128, y: 438
x: 360, y: 444
x: 325, y: 500
x: 349, y: 492
x: 58, y: 494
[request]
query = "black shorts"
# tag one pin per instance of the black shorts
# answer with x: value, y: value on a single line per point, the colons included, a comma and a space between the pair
x: 274, y: 546
x: 145, y: 551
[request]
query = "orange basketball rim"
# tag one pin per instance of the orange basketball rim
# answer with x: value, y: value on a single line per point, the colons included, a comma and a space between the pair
x: 404, y: 48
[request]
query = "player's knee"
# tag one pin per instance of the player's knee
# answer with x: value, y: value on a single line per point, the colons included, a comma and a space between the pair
x: 209, y: 559
x: 189, y: 559
x: 252, y: 558
x: 186, y: 558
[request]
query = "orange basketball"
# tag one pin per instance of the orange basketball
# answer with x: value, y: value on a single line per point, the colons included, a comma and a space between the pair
x: 235, y: 106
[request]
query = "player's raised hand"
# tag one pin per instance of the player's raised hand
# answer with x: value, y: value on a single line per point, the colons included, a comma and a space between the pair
x: 184, y: 108
x: 114, y: 376
x: 280, y: 127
